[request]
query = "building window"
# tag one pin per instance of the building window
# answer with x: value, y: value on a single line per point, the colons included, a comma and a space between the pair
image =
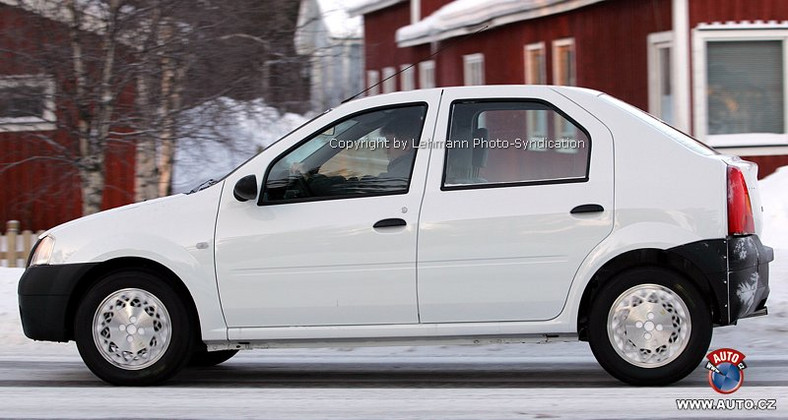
x: 535, y: 69
x: 427, y: 74
x: 27, y: 103
x: 660, y: 86
x: 473, y: 69
x: 389, y: 79
x: 564, y: 73
x: 373, y: 82
x: 406, y: 77
x: 740, y: 97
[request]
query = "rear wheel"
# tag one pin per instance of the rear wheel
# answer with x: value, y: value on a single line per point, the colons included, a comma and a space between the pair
x: 649, y: 326
x: 132, y: 328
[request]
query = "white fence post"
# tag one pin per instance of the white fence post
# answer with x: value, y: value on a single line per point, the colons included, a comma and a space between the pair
x: 11, y: 231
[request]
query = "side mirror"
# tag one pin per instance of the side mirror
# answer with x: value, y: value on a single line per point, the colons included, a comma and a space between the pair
x: 246, y: 188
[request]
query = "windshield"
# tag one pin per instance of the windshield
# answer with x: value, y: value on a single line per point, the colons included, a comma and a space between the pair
x: 681, y: 138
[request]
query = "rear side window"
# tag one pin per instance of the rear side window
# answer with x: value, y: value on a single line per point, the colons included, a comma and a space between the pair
x: 494, y: 144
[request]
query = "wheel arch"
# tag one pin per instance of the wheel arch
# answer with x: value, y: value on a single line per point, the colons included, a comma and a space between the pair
x: 100, y: 271
x: 641, y: 258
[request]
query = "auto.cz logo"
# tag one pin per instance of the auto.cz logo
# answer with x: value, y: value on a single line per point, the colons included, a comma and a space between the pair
x: 726, y: 370
x: 726, y: 375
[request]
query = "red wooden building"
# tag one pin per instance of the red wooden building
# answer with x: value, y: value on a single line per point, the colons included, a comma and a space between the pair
x: 39, y: 184
x: 714, y: 68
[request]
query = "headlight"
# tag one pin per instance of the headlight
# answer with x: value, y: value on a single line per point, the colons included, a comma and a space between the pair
x: 43, y: 251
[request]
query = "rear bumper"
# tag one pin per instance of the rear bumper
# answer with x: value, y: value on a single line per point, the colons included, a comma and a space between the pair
x: 737, y: 271
x: 748, y: 276
x: 45, y: 292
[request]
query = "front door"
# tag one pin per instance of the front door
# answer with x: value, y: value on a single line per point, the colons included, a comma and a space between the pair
x: 332, y: 237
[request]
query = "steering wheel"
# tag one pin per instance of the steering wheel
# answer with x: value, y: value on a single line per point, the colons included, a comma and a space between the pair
x: 300, y: 179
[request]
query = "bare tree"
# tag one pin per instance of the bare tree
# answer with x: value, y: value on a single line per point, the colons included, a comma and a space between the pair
x: 125, y: 71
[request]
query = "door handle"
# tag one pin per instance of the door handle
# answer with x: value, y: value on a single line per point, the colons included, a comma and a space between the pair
x: 387, y: 223
x: 587, y: 208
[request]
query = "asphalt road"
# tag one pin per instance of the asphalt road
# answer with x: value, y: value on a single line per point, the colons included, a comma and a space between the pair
x: 351, y: 386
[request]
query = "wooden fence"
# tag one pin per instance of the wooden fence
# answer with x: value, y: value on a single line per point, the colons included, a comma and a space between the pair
x: 15, y: 246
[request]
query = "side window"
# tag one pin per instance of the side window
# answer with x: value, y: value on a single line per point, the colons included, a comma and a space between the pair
x: 503, y: 143
x: 364, y: 155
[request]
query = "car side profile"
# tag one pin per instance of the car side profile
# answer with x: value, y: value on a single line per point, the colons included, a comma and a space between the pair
x: 448, y: 215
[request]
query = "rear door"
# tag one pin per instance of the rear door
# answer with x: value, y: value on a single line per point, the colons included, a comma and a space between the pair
x: 518, y: 194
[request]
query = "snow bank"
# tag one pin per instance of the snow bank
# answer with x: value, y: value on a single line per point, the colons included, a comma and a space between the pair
x: 774, y: 194
x: 220, y: 135
x: 10, y: 327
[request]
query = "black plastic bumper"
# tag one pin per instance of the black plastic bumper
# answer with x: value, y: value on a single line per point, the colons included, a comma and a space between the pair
x: 737, y: 270
x: 44, y: 295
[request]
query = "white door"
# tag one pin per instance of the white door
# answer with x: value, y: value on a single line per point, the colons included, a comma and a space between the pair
x: 517, y: 198
x: 331, y: 239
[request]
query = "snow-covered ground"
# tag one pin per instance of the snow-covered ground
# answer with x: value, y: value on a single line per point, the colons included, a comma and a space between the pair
x: 764, y: 336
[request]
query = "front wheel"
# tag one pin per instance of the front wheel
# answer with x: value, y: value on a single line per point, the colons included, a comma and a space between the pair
x: 649, y: 326
x: 132, y: 328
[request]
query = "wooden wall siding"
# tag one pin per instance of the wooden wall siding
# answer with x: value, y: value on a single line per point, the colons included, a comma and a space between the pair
x: 42, y: 191
x: 380, y: 46
x: 429, y: 7
x: 37, y: 186
x: 610, y: 45
x: 708, y: 11
x: 767, y: 164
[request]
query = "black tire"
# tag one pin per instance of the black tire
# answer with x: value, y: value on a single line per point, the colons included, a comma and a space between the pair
x: 205, y: 358
x: 661, y: 287
x: 143, y: 333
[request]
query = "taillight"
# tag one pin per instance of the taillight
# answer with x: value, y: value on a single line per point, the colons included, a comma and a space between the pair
x: 740, y: 220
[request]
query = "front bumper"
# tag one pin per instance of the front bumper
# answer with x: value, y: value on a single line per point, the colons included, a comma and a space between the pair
x: 737, y: 271
x: 45, y: 292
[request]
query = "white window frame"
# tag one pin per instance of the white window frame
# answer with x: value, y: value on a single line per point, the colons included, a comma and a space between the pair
x: 564, y: 128
x: 656, y: 43
x: 46, y: 121
x: 766, y: 144
x: 389, y: 79
x: 530, y: 78
x: 558, y: 43
x: 373, y: 82
x: 415, y: 12
x: 406, y: 77
x: 537, y: 121
x: 473, y: 69
x: 427, y: 74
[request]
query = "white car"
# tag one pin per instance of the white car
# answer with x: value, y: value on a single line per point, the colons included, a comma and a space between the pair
x: 450, y: 215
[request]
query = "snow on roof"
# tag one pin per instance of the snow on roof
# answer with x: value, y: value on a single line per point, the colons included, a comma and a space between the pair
x: 362, y: 7
x: 339, y: 22
x: 462, y: 17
